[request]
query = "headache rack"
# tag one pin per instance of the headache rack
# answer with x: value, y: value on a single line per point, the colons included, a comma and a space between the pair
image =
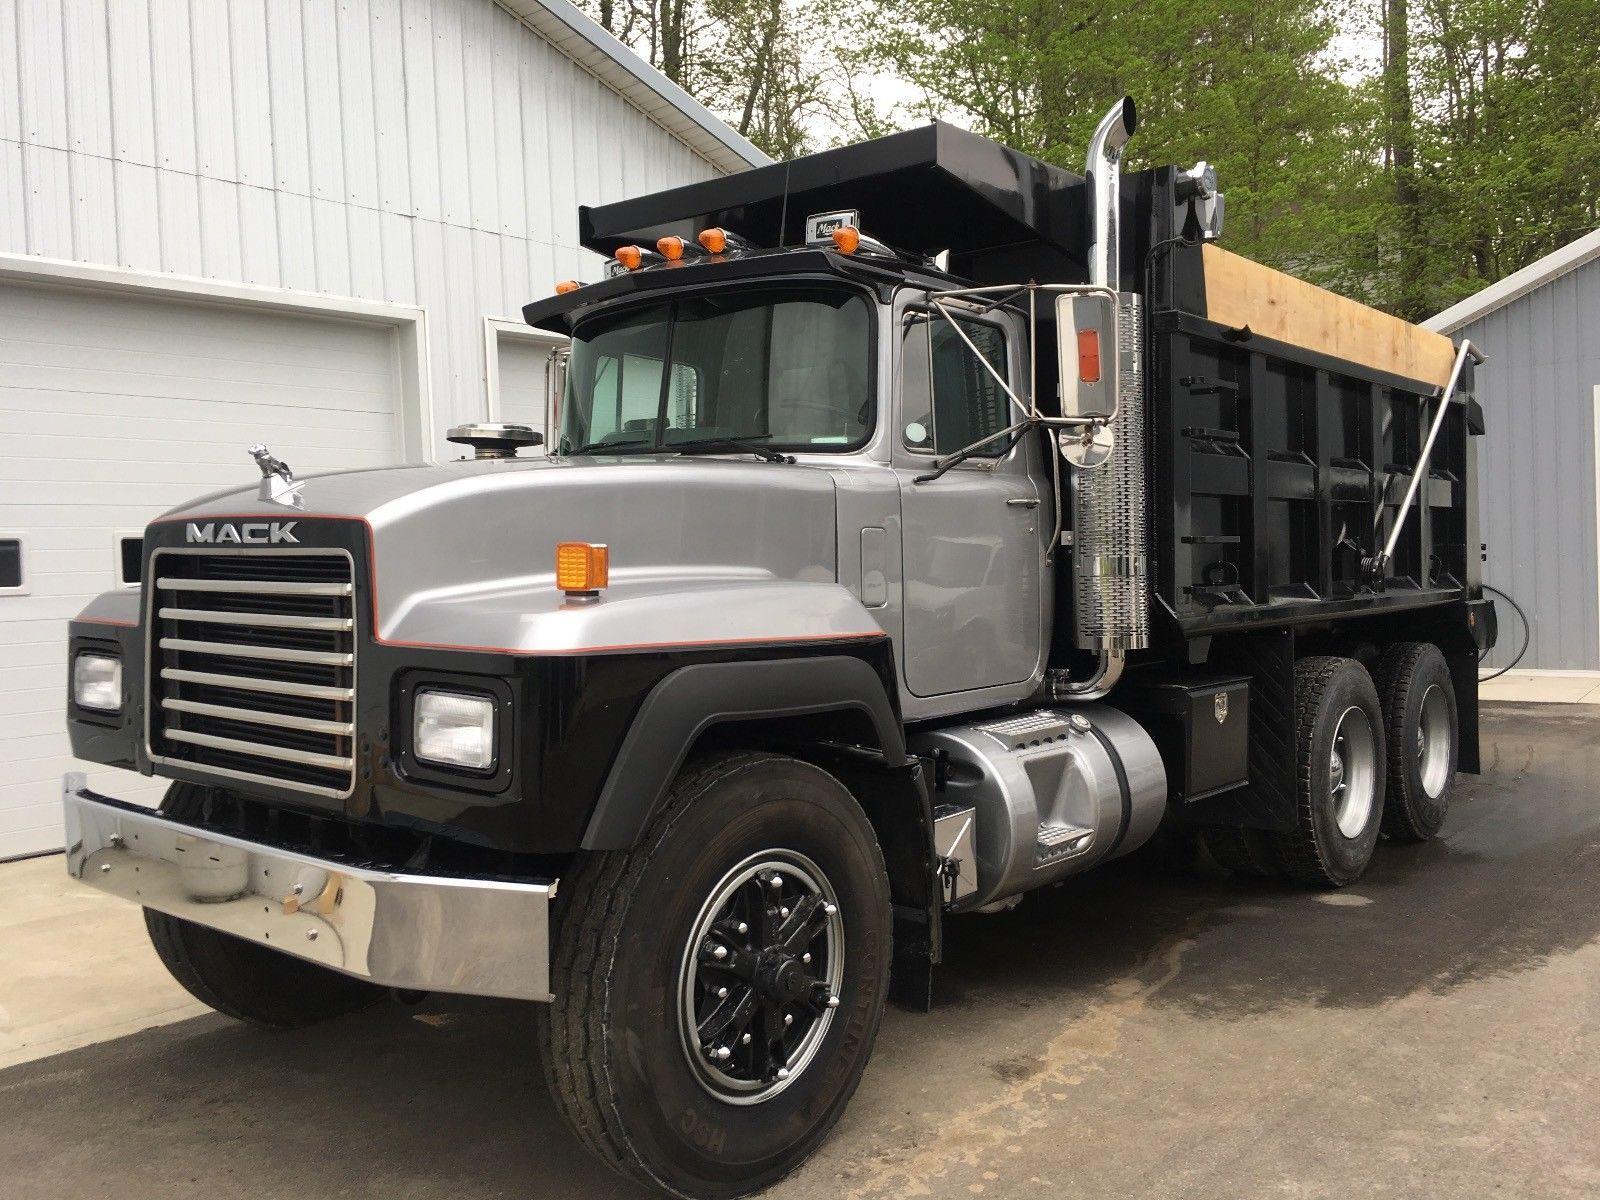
x: 252, y: 666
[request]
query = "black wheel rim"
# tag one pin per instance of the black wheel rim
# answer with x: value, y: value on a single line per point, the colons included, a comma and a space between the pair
x: 760, y: 977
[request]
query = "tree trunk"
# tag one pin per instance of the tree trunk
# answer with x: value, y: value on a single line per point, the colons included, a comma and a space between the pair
x: 1400, y: 118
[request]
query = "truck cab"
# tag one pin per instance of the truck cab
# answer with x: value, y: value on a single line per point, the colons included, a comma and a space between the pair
x: 919, y: 525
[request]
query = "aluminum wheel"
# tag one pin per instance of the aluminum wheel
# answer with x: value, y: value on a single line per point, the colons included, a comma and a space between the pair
x: 759, y: 984
x: 1436, y: 739
x: 1353, y: 771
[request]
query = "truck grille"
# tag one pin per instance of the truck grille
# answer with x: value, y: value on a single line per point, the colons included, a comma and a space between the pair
x: 253, y: 666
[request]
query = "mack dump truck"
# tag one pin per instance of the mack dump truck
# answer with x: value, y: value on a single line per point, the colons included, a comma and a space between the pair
x: 920, y: 524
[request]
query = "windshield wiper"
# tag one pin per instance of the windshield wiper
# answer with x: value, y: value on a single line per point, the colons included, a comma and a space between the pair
x: 723, y: 445
x: 602, y: 447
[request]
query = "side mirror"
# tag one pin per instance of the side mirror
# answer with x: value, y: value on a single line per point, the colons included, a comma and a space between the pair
x: 1087, y: 353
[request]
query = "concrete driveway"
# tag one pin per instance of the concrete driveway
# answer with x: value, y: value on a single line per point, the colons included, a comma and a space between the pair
x: 1433, y: 1032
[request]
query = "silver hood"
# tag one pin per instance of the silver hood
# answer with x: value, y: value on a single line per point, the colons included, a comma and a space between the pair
x: 701, y: 550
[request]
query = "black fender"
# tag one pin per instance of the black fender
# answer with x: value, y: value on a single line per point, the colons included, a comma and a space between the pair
x: 697, y: 697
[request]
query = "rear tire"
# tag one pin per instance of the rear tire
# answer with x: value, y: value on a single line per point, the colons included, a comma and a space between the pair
x: 241, y: 979
x: 1419, y: 709
x: 633, y: 1041
x: 1340, y: 773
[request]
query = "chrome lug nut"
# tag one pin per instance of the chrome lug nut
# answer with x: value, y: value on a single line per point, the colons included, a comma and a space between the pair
x: 833, y: 1002
x: 783, y: 1072
x: 743, y: 928
x: 788, y: 1018
x: 783, y: 912
x: 830, y: 909
x: 745, y: 1040
x: 806, y: 957
x: 722, y: 993
x: 775, y: 881
x: 719, y: 952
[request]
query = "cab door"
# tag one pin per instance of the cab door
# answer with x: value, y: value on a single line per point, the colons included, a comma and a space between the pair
x: 973, y: 549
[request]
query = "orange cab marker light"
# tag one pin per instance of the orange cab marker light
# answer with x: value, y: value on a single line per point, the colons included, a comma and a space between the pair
x: 629, y: 256
x: 1088, y: 356
x: 567, y: 286
x: 714, y: 240
x: 582, y: 568
x: 847, y: 238
x: 670, y: 248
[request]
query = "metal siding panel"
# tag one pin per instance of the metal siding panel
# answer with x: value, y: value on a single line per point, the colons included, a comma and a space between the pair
x: 532, y: 69
x: 286, y: 89
x: 210, y: 50
x: 13, y: 200
x: 389, y: 106
x: 510, y: 147
x: 132, y: 99
x: 331, y: 236
x: 297, y: 252
x: 258, y: 236
x: 41, y: 74
x: 251, y: 92
x: 178, y: 214
x: 324, y: 125
x: 422, y: 118
x: 10, y: 67
x: 94, y: 208
x: 357, y: 114
x: 399, y: 258
x: 88, y: 77
x: 477, y: 47
x: 366, y: 253
x: 47, y: 201
x: 172, y: 83
x: 559, y: 79
x: 450, y: 103
x: 221, y: 255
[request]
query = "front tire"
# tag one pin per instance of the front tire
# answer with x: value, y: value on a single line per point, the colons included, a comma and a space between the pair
x: 674, y: 1062
x: 1340, y: 773
x: 1419, y: 707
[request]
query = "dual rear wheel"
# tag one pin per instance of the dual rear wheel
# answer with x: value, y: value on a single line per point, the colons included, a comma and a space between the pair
x: 1374, y: 754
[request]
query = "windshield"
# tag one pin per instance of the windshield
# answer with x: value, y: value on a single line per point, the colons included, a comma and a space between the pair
x: 788, y: 369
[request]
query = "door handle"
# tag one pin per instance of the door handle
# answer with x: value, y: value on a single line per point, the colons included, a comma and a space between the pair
x: 1022, y: 502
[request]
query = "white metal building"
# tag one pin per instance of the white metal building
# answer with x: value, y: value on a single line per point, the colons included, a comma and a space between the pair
x: 1539, y: 462
x: 305, y: 222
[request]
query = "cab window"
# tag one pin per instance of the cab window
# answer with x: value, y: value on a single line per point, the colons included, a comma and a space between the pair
x: 949, y: 399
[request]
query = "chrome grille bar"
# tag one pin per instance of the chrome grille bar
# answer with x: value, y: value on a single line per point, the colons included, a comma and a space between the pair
x: 258, y: 749
x: 260, y: 620
x: 326, y: 658
x: 255, y: 587
x: 256, y: 716
x: 246, y: 683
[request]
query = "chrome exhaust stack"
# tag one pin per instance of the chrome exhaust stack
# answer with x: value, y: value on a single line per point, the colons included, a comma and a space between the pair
x: 1110, y: 587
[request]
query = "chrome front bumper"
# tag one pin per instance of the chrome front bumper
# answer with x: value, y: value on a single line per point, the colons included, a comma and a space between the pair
x: 429, y: 933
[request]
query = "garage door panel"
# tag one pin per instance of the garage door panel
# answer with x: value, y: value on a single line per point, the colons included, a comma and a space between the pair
x: 37, y: 446
x: 117, y: 408
x: 52, y: 363
x: 50, y: 315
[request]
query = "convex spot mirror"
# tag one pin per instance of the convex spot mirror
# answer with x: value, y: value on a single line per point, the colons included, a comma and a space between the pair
x: 1086, y: 334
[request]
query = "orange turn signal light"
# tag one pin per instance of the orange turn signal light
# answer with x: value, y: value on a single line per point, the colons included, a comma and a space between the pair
x: 629, y: 256
x: 1088, y: 356
x: 715, y: 241
x: 582, y: 567
x: 847, y: 238
x: 670, y: 248
x: 566, y: 286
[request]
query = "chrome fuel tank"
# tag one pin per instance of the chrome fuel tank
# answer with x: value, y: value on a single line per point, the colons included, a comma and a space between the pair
x: 1054, y: 791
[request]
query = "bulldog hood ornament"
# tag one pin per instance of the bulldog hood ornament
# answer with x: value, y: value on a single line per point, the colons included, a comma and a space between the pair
x: 278, y: 484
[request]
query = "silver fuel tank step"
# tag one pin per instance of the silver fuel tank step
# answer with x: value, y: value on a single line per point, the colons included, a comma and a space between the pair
x: 1052, y: 792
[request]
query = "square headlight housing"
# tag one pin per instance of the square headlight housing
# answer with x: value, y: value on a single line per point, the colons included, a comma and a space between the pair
x: 97, y: 681
x: 454, y: 729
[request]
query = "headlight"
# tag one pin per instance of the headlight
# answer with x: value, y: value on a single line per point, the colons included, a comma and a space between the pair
x: 454, y: 730
x: 97, y: 682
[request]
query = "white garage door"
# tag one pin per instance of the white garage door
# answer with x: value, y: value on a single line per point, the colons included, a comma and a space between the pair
x: 522, y: 362
x: 113, y: 408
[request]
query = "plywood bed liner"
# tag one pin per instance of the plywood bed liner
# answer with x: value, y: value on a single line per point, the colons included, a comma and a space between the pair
x: 1242, y: 293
